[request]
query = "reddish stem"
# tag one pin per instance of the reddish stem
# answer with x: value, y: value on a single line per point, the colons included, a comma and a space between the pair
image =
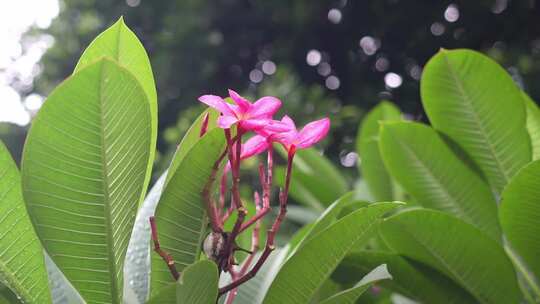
x: 271, y: 232
x: 254, y: 248
x: 164, y: 255
x: 235, y: 150
x: 211, y: 209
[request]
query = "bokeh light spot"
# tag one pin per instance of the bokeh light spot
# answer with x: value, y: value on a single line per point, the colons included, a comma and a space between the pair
x: 256, y: 76
x: 451, y: 14
x: 334, y: 16
x: 269, y: 67
x: 332, y: 82
x: 313, y: 57
x: 393, y: 80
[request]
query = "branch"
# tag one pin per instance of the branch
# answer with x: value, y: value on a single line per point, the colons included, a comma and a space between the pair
x: 164, y: 255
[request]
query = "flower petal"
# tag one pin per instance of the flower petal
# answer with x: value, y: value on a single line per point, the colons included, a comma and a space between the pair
x: 225, y: 121
x: 312, y: 133
x: 288, y: 121
x: 217, y: 103
x: 253, y: 124
x: 265, y: 107
x: 243, y: 103
x: 255, y: 145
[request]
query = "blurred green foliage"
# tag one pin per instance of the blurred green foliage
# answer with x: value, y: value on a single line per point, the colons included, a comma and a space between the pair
x: 199, y: 47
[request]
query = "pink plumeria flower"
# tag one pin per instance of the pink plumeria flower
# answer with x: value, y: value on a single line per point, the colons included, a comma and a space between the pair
x: 248, y: 116
x: 310, y: 134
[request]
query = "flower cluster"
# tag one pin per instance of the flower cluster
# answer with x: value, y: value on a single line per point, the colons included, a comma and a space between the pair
x: 257, y: 117
x: 238, y: 119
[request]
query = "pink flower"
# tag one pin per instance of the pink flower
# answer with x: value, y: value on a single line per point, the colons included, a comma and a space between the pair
x: 310, y: 134
x: 248, y: 116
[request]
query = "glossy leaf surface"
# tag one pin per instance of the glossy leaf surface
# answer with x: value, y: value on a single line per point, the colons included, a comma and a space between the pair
x: 84, y: 168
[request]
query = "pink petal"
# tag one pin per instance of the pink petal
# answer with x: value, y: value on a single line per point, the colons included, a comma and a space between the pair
x: 288, y: 121
x: 217, y: 103
x: 253, y: 124
x: 255, y: 145
x: 265, y: 107
x: 225, y: 121
x: 312, y: 133
x: 274, y: 127
x: 243, y: 103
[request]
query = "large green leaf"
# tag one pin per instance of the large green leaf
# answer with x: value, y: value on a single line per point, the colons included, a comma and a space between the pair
x: 520, y: 218
x: 83, y: 172
x: 533, y: 125
x: 119, y: 43
x: 191, y: 137
x: 367, y: 144
x: 198, y: 284
x: 315, y: 181
x: 349, y: 296
x: 328, y: 217
x: 180, y: 215
x: 305, y: 271
x: 410, y: 278
x: 425, y: 166
x: 473, y: 100
x: 457, y: 249
x: 22, y: 266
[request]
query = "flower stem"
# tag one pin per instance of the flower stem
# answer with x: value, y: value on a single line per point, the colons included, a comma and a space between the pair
x: 164, y: 255
x: 271, y: 233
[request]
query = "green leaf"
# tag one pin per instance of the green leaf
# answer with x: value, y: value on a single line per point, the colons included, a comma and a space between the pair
x: 22, y: 266
x: 305, y: 271
x: 180, y: 215
x: 533, y: 125
x: 191, y: 137
x: 410, y: 278
x: 119, y: 43
x: 7, y: 296
x: 328, y: 217
x: 455, y: 248
x: 349, y: 296
x: 475, y: 102
x: 83, y: 172
x: 198, y: 284
x: 367, y: 144
x: 520, y: 218
x: 424, y: 165
x: 315, y: 181
x: 166, y: 295
x: 254, y: 290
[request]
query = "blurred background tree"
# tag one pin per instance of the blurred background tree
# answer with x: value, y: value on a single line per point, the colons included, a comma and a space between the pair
x: 322, y: 58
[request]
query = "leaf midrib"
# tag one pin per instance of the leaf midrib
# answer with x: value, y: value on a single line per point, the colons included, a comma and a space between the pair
x: 107, y: 208
x: 476, y: 119
x: 351, y: 245
x: 439, y: 259
x: 450, y: 198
